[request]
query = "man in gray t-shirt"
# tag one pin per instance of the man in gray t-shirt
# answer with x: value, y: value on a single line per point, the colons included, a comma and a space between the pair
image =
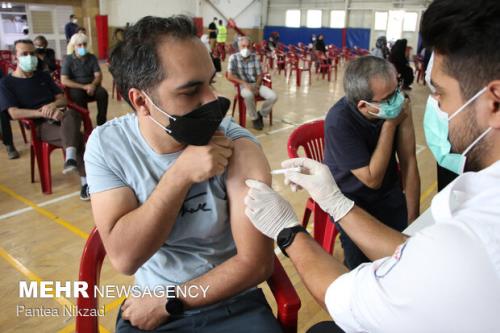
x: 167, y: 190
x: 82, y: 76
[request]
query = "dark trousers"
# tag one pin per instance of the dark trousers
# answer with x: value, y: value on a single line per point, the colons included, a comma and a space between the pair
x: 248, y: 313
x: 65, y: 134
x: 6, y: 128
x: 80, y: 97
x: 325, y: 327
x: 390, y: 209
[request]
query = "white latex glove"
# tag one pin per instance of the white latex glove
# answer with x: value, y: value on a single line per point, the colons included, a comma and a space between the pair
x: 316, y: 179
x: 267, y: 210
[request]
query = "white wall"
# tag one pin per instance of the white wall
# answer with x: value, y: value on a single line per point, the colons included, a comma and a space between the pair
x: 122, y: 11
x: 246, y: 13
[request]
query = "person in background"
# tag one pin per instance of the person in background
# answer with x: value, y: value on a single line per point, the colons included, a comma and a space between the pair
x: 7, y: 137
x: 381, y: 50
x: 364, y: 132
x: 320, y: 44
x: 244, y: 68
x: 71, y: 27
x: 32, y: 94
x: 399, y: 59
x: 212, y: 33
x: 221, y: 40
x: 118, y: 35
x: 46, y: 56
x: 82, y: 75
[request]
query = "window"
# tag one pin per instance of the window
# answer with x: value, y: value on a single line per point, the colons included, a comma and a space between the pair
x: 314, y: 18
x: 380, y: 21
x: 337, y: 19
x: 410, y: 21
x: 292, y: 18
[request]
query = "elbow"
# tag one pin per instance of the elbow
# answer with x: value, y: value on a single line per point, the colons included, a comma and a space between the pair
x: 13, y: 115
x: 374, y: 184
x: 124, y: 264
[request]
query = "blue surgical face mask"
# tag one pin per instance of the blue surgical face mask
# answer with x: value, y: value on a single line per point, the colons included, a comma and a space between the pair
x: 81, y: 51
x: 389, y: 109
x: 436, y: 129
x: 28, y: 63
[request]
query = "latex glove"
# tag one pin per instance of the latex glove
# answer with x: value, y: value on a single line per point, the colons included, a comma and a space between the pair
x: 267, y: 210
x: 316, y: 179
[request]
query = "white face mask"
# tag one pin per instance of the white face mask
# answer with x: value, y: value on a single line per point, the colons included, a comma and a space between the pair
x: 75, y: 21
x: 245, y: 52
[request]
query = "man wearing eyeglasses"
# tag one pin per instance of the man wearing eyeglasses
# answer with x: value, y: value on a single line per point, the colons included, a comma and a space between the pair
x: 364, y: 131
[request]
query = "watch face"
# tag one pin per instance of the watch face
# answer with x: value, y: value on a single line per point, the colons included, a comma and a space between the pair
x: 174, y: 306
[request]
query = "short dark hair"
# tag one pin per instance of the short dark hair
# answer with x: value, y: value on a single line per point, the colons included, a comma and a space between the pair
x: 135, y: 62
x: 71, y: 16
x: 467, y: 34
x: 42, y: 39
x: 23, y: 41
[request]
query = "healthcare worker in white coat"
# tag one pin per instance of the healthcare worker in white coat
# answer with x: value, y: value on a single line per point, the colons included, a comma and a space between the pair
x: 446, y: 276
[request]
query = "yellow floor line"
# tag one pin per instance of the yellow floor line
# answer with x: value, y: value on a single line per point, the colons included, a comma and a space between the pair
x: 44, y: 212
x: 428, y: 192
x: 114, y: 304
x: 34, y: 277
x: 29, y: 274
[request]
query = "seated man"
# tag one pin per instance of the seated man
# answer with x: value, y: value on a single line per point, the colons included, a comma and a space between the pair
x: 244, y: 68
x: 7, y: 137
x: 82, y: 75
x: 167, y: 194
x: 46, y: 56
x: 363, y: 133
x: 27, y: 93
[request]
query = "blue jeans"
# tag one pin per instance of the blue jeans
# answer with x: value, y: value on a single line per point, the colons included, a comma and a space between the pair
x: 247, y: 313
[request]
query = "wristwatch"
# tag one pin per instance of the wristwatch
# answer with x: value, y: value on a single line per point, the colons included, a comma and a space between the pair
x: 174, y: 306
x: 287, y: 235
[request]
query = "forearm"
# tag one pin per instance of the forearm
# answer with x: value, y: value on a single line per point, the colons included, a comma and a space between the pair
x: 16, y: 113
x: 375, y: 239
x: 382, y: 154
x: 234, y: 78
x: 60, y: 101
x: 412, y: 190
x: 136, y: 236
x: 71, y: 84
x: 226, y: 280
x: 316, y: 268
x: 258, y: 80
x: 97, y: 80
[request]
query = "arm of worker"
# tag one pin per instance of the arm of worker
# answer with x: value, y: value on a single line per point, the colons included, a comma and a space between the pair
x: 405, y: 147
x: 375, y: 239
x: 373, y: 174
x: 132, y: 233
x: 253, y: 262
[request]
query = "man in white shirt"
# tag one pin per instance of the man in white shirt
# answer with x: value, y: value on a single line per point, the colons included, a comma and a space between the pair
x: 446, y: 277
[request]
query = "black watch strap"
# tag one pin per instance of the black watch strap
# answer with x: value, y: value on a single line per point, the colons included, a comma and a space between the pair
x: 174, y: 306
x: 287, y: 235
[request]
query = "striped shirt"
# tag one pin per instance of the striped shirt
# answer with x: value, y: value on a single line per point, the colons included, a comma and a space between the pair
x: 246, y: 70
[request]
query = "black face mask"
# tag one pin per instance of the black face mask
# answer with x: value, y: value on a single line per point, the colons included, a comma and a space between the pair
x: 198, y: 126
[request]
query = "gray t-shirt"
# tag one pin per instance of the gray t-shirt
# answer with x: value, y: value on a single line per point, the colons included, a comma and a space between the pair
x: 80, y: 70
x: 117, y: 155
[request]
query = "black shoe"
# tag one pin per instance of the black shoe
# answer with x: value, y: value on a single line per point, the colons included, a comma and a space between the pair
x: 12, y: 153
x: 84, y: 193
x: 70, y: 166
x: 258, y: 124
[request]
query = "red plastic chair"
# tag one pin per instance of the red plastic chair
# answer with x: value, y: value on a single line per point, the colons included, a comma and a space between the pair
x: 41, y: 150
x: 311, y: 137
x: 90, y: 268
x: 238, y: 99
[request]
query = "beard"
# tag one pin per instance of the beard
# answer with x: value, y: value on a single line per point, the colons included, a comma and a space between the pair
x: 462, y: 136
